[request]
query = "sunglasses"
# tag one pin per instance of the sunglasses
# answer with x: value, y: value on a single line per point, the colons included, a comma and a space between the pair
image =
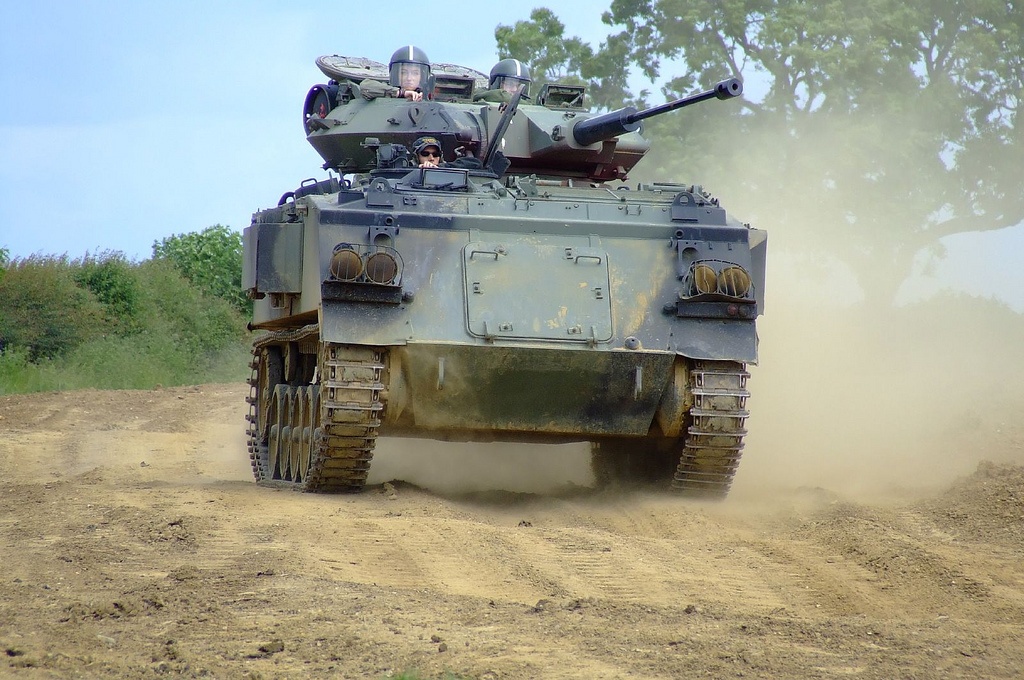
x: 432, y: 154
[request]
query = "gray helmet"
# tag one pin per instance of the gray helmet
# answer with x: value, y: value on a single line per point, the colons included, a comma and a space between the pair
x: 510, y: 73
x: 404, y: 61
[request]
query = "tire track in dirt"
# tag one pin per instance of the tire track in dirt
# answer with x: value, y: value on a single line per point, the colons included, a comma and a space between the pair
x: 629, y: 549
x: 880, y: 562
x: 183, y: 565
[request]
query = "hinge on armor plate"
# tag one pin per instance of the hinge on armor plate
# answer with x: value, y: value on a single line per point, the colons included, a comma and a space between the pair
x: 380, y: 194
x: 696, y: 207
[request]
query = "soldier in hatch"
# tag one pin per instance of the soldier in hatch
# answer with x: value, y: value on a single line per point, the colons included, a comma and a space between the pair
x: 409, y: 76
x: 507, y: 76
x: 428, y: 154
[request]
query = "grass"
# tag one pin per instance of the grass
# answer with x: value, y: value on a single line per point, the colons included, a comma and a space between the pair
x: 105, y: 323
x: 118, y: 364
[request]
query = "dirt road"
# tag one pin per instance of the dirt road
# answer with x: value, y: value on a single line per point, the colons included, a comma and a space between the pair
x: 133, y: 543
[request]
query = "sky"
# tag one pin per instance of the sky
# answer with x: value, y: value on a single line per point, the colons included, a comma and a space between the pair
x: 122, y: 123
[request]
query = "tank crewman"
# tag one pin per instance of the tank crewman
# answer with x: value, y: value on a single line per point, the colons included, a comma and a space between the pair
x: 506, y: 77
x: 409, y: 76
x: 427, y: 151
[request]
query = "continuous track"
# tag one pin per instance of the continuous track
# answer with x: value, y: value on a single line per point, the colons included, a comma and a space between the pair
x: 704, y: 460
x: 317, y: 434
x: 714, y: 440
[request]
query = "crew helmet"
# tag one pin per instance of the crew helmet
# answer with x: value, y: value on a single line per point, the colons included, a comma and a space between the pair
x: 404, y: 62
x: 509, y: 74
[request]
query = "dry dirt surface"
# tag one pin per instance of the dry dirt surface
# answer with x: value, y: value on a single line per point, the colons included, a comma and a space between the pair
x: 134, y: 544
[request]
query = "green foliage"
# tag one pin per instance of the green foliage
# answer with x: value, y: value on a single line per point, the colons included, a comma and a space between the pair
x: 917, y: 102
x: 110, y: 324
x: 143, y: 362
x: 42, y: 309
x: 541, y: 43
x: 188, y: 316
x: 211, y: 260
x: 18, y: 374
x: 148, y: 360
x: 552, y: 57
x: 112, y: 280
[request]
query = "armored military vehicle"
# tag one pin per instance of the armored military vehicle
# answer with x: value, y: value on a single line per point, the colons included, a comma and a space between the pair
x: 521, y: 291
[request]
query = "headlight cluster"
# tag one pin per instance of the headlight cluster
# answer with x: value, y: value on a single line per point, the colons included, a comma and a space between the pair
x: 357, y: 263
x: 715, y: 277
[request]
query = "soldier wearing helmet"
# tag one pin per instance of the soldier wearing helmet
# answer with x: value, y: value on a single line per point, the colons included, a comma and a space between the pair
x: 409, y: 76
x: 410, y: 70
x: 507, y: 76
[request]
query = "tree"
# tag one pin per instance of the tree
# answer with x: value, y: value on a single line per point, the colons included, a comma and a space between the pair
x: 890, y: 124
x: 211, y: 260
x: 542, y: 45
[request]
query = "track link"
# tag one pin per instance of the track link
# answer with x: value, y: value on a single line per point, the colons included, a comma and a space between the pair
x: 351, y: 409
x: 714, y: 440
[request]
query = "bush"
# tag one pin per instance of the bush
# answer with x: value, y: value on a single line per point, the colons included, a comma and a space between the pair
x: 18, y: 374
x: 146, y: 360
x: 106, y: 323
x: 194, y: 321
x: 140, y: 362
x: 211, y: 260
x: 113, y: 281
x: 43, y: 310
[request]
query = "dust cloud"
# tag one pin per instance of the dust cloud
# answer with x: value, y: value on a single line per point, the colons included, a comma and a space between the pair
x: 857, y: 391
x: 460, y: 467
x: 877, y: 404
x: 890, y: 402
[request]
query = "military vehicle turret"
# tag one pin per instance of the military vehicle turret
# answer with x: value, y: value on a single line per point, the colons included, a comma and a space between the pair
x: 520, y: 292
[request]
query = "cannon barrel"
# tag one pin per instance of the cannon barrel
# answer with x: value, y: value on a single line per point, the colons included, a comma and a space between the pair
x: 627, y: 119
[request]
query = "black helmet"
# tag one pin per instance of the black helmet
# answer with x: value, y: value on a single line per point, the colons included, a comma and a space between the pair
x: 510, y: 74
x: 409, y: 65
